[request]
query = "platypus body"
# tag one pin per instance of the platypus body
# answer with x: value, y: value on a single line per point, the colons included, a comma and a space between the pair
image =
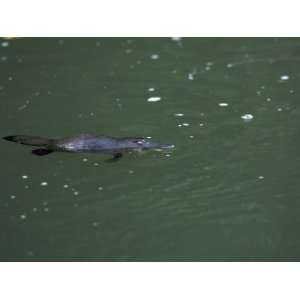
x: 87, y: 143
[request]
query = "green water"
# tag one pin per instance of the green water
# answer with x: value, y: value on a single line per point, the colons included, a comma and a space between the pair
x: 230, y: 189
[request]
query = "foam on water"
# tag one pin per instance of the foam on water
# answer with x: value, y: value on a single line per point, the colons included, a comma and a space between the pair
x: 247, y: 117
x: 284, y: 77
x: 154, y: 56
x: 223, y: 104
x: 153, y: 99
x: 5, y: 44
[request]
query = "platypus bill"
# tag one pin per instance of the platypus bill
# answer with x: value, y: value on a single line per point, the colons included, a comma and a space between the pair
x: 87, y: 143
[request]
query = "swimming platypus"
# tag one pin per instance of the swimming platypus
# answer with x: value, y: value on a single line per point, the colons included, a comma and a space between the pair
x: 87, y: 143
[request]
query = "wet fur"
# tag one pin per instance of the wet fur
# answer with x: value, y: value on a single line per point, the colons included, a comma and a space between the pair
x: 86, y: 143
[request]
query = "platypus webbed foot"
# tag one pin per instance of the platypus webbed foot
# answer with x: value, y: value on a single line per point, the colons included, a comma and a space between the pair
x: 41, y: 152
x: 117, y: 156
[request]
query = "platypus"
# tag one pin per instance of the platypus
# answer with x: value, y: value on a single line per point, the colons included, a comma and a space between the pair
x: 87, y: 143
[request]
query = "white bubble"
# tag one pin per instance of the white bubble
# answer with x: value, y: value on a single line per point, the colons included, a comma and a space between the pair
x: 247, y: 117
x: 261, y: 177
x: 5, y: 44
x: 284, y: 77
x: 154, y: 99
x: 176, y: 39
x: 201, y: 124
x: 76, y: 193
x: 24, y: 176
x: 223, y: 104
x: 23, y: 217
x: 191, y: 136
x: 152, y: 89
x: 191, y: 76
x: 279, y: 109
x: 154, y: 56
x: 44, y: 183
x: 185, y: 124
x: 12, y: 197
x: 179, y: 115
x: 229, y: 65
x: 268, y: 99
x: 66, y: 186
x: 100, y: 188
x: 131, y: 171
x: 85, y: 159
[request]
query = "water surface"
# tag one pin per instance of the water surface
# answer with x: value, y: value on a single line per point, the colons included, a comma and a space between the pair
x: 229, y: 190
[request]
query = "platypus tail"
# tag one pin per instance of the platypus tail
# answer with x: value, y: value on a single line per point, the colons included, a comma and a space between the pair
x: 29, y: 140
x: 33, y: 141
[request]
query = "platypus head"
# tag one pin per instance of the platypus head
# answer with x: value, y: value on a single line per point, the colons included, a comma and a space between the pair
x: 146, y: 144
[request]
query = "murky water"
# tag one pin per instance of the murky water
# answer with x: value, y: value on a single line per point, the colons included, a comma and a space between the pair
x: 230, y: 189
